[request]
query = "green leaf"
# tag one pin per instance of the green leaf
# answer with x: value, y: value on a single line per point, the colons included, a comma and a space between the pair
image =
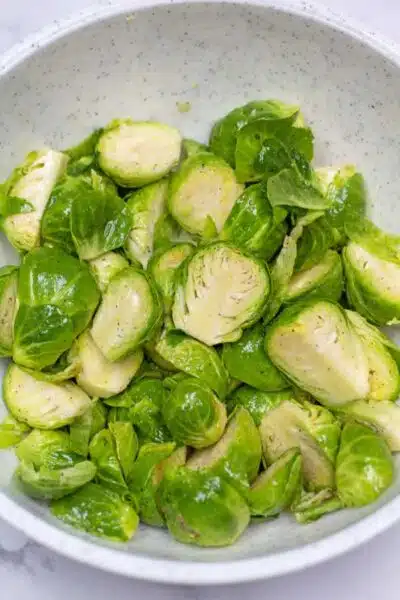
x: 290, y: 188
x: 104, y: 455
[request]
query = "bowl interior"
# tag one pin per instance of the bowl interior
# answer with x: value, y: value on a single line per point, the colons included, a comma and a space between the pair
x: 216, y: 56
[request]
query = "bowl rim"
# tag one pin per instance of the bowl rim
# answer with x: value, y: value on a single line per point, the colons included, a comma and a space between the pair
x: 168, y: 570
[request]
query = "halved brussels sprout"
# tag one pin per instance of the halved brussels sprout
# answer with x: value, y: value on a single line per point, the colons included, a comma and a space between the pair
x: 33, y: 181
x: 203, y: 190
x: 312, y: 506
x: 194, y: 358
x: 201, y: 508
x: 323, y: 280
x: 373, y: 284
x: 247, y: 360
x: 50, y: 311
x: 98, y: 376
x: 146, y: 207
x: 193, y: 414
x: 317, y: 347
x: 237, y: 454
x: 42, y: 404
x: 190, y: 147
x: 254, y: 225
x: 164, y: 266
x: 220, y: 291
x: 256, y: 401
x: 103, y: 453
x: 364, y: 466
x: 129, y: 314
x: 309, y: 427
x: 274, y: 490
x: 12, y: 432
x: 50, y: 449
x: 126, y: 445
x: 86, y: 426
x: 105, y: 267
x: 8, y: 297
x: 146, y: 476
x: 136, y: 153
x: 97, y: 511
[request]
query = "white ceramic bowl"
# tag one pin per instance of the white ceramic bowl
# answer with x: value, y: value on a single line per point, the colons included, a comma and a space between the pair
x: 58, y: 86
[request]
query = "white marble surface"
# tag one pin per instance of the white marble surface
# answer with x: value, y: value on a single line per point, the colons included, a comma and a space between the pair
x: 30, y: 572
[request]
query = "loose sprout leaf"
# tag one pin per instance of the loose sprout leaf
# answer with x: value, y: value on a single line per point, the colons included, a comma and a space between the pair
x: 290, y: 188
x: 12, y: 432
x: 316, y: 239
x: 126, y: 445
x: 98, y: 511
x: 164, y: 266
x: 257, y: 402
x: 103, y: 453
x: 8, y: 298
x: 324, y: 280
x: 85, y: 147
x: 46, y: 484
x: 313, y: 506
x: 86, y: 426
x: 105, y: 267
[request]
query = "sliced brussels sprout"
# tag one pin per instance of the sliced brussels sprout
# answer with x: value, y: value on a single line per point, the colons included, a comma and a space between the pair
x: 98, y: 511
x: 105, y: 267
x: 129, y: 314
x: 146, y: 206
x: 33, y: 181
x: 237, y: 454
x: 254, y: 225
x: 220, y: 291
x: 137, y: 153
x: 373, y: 284
x: 274, y: 490
x: 42, y: 404
x: 256, y: 401
x: 323, y: 280
x: 61, y: 371
x: 50, y: 311
x: 201, y: 508
x: 203, y: 188
x: 224, y: 134
x: 364, y: 466
x: 12, y: 432
x: 316, y: 346
x: 194, y: 358
x: 146, y: 476
x: 50, y: 449
x: 247, y: 360
x: 191, y: 147
x: 86, y: 426
x: 8, y: 297
x: 312, y: 506
x: 98, y: 375
x: 126, y: 445
x: 103, y: 453
x: 309, y: 427
x: 163, y: 267
x: 194, y: 415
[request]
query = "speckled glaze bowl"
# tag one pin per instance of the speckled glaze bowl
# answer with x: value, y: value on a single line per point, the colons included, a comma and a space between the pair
x: 59, y: 85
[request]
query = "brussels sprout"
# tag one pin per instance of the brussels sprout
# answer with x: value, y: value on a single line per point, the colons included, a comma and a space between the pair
x: 33, y: 181
x: 146, y: 207
x: 194, y: 415
x: 168, y: 232
x: 323, y: 280
x: 313, y: 506
x: 42, y: 404
x: 163, y: 267
x: 317, y: 238
x: 220, y: 291
x: 316, y: 346
x: 8, y: 296
x: 105, y: 267
x: 254, y: 225
x: 146, y: 476
x: 103, y: 453
x: 137, y: 153
x: 61, y: 371
x: 224, y: 134
x: 99, y: 224
x: 373, y: 284
x: 201, y: 508
x: 12, y: 432
x: 98, y: 375
x: 237, y: 454
x: 97, y: 511
x: 194, y: 358
x: 191, y: 147
x: 203, y: 188
x: 246, y: 360
x: 274, y: 490
x: 85, y: 147
x: 129, y: 314
x: 364, y: 466
x: 86, y: 426
x: 257, y: 402
x: 309, y: 427
x: 50, y: 449
x: 50, y: 310
x: 126, y: 445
